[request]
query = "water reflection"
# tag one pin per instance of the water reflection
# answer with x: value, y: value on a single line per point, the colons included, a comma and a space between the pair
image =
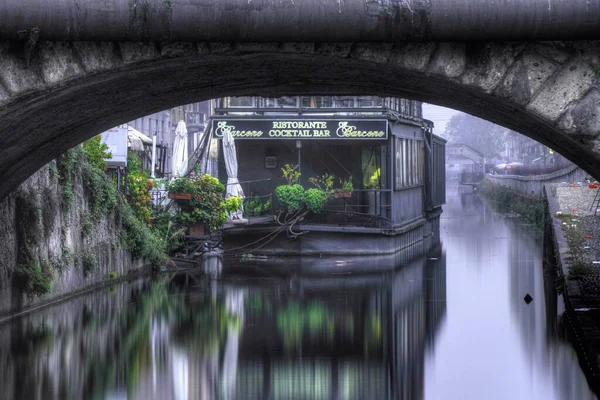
x: 449, y: 325
x: 495, y: 345
x: 189, y: 337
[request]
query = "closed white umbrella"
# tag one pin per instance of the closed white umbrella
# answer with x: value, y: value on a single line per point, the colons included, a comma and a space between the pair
x: 231, y: 165
x: 180, y: 150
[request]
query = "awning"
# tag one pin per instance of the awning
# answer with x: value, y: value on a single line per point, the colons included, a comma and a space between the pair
x: 137, y: 139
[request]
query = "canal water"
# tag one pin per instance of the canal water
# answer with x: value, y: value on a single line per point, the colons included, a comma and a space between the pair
x: 452, y: 324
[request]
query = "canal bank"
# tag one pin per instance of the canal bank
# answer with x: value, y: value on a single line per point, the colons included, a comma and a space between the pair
x: 572, y: 245
x: 67, y: 230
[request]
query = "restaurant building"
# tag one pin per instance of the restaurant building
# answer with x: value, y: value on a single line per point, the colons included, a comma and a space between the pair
x: 383, y: 146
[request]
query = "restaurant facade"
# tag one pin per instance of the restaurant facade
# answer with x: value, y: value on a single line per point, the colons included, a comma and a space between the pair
x: 381, y: 148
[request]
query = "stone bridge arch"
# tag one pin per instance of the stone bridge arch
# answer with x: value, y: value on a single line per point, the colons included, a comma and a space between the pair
x: 54, y: 95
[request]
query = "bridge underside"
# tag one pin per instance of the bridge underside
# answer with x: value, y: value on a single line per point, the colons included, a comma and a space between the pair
x: 57, y: 94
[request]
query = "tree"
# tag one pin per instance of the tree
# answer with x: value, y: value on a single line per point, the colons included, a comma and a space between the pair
x: 481, y: 135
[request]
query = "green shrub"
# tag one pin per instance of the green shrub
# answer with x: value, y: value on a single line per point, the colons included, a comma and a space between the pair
x: 32, y: 280
x: 207, y: 205
x: 578, y: 269
x: 291, y: 197
x: 102, y: 192
x: 89, y: 260
x: 324, y: 182
x: 139, y: 185
x: 140, y: 239
x: 112, y: 275
x: 96, y: 151
x: 291, y: 174
x: 254, y: 207
x: 86, y: 223
x: 505, y: 200
x: 315, y: 200
x: 68, y: 165
x: 164, y: 227
x: 233, y: 204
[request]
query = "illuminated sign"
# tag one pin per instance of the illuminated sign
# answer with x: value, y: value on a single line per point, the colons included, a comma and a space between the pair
x: 301, y: 128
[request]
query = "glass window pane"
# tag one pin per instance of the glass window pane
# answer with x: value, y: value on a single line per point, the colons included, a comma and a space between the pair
x: 270, y: 102
x: 287, y: 102
x: 241, y: 101
x: 343, y: 101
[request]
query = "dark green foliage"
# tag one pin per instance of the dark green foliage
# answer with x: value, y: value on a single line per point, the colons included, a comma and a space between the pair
x: 506, y: 200
x: 254, y: 207
x: 206, y: 206
x: 86, y: 223
x: 32, y: 280
x: 291, y: 197
x: 315, y: 200
x: 579, y: 270
x: 139, y: 239
x: 68, y: 165
x: 89, y: 261
x: 579, y: 262
x: 96, y: 152
x: 102, y: 192
x: 165, y: 228
x: 53, y: 171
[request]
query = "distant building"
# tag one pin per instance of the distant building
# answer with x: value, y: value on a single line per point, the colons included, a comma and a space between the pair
x: 522, y: 149
x: 163, y: 124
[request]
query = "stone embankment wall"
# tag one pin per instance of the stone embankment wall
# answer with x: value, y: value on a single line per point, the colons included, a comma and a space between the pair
x: 70, y: 247
x: 572, y: 246
x: 534, y: 185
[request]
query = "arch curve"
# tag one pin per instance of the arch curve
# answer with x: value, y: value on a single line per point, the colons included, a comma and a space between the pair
x: 62, y: 93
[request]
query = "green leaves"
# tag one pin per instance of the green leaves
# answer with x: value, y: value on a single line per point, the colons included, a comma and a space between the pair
x: 233, y: 204
x: 32, y: 280
x: 324, y: 182
x: 294, y: 198
x: 291, y: 197
x: 207, y: 205
x: 96, y: 152
x: 291, y: 173
x: 315, y: 200
x: 255, y: 207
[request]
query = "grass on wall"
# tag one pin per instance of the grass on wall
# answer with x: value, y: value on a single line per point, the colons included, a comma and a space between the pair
x: 505, y: 200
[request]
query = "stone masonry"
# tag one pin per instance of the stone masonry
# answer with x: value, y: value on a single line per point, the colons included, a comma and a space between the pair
x: 54, y: 95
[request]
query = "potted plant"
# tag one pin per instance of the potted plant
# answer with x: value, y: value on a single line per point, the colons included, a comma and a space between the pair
x: 346, y: 189
x: 205, y: 209
x: 181, y: 188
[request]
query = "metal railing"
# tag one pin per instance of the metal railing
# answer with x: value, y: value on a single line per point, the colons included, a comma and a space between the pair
x: 529, y: 169
x: 258, y: 196
x: 469, y: 178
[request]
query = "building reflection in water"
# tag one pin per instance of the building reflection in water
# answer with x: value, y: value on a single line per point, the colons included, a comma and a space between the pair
x: 539, y: 324
x: 189, y: 337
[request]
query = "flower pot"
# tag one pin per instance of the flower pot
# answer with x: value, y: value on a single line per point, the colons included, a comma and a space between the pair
x: 337, y: 195
x: 196, y: 230
x: 180, y: 196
